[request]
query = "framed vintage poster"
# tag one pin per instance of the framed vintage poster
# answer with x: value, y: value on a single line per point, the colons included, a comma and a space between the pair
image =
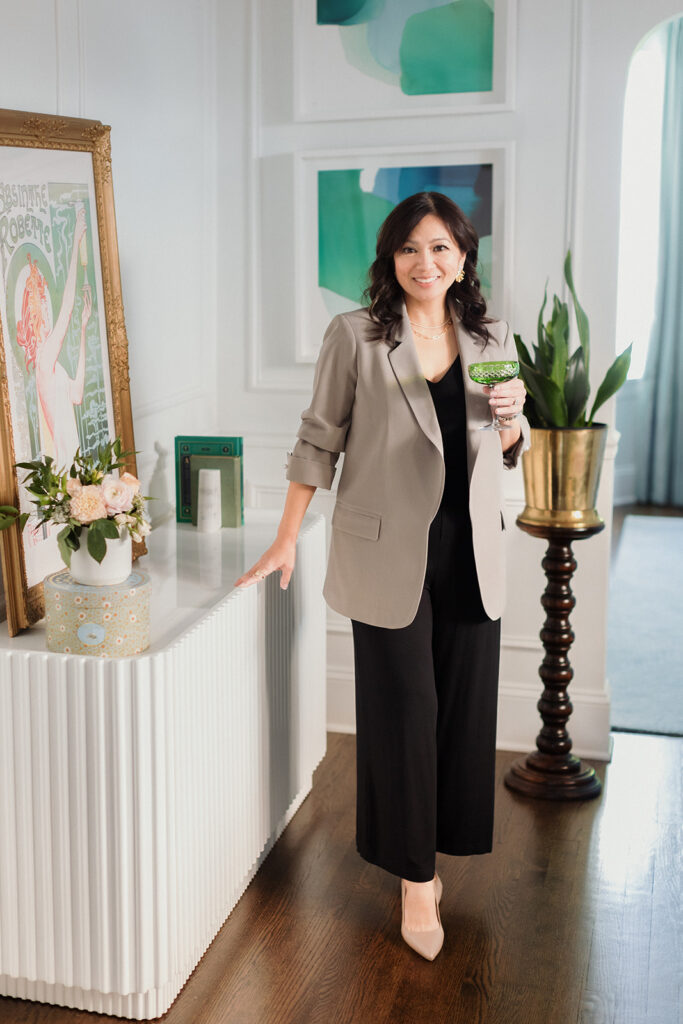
x: 63, y: 345
x: 356, y: 59
x: 342, y: 200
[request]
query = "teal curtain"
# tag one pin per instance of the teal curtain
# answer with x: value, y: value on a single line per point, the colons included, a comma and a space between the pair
x: 659, y: 479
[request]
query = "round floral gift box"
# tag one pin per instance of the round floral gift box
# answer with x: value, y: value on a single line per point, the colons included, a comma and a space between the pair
x: 105, y: 622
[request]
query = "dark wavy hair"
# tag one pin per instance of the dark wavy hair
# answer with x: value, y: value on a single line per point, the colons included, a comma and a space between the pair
x: 383, y: 290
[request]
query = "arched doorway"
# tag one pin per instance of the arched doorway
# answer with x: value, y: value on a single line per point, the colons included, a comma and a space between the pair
x: 644, y: 642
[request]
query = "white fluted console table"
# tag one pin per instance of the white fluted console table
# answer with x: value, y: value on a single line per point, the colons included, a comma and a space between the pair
x: 138, y: 796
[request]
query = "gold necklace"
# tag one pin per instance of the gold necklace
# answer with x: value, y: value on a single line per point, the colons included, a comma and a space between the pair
x: 432, y: 337
x: 430, y: 327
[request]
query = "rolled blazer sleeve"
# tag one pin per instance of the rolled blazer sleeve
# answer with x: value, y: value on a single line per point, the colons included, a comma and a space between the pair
x: 325, y: 423
x: 512, y: 456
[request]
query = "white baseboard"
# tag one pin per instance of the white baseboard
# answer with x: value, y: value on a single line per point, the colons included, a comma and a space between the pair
x: 341, y: 699
x: 518, y: 719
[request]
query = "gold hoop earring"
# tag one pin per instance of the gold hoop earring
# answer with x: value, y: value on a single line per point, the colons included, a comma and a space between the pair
x: 460, y: 276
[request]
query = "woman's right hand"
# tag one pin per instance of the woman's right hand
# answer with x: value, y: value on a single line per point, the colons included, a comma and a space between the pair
x: 280, y: 555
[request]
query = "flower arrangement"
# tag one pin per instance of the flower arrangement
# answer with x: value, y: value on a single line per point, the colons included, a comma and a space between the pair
x: 89, y: 496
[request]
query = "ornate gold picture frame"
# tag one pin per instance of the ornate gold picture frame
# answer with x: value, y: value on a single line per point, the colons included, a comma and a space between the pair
x: 63, y: 345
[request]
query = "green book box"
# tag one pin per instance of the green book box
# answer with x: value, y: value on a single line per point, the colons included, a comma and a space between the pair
x: 222, y: 453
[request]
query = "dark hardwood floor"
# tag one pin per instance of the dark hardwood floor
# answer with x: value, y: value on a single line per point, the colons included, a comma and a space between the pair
x: 574, y: 917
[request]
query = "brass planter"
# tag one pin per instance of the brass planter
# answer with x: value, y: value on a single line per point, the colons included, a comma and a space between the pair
x: 561, y: 477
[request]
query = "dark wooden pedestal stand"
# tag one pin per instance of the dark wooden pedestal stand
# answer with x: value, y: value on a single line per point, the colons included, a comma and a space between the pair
x: 551, y: 771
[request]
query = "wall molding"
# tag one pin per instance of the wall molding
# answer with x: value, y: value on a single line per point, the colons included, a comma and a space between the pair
x: 573, y: 124
x: 209, y: 278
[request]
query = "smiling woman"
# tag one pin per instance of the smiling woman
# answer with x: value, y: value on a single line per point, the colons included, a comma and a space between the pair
x: 416, y: 560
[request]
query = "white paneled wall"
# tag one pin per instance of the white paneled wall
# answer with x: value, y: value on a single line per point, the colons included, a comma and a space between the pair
x: 200, y: 98
x: 559, y: 174
x: 148, y: 70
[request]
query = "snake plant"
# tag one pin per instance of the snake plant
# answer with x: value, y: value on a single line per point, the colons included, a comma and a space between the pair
x: 557, y: 383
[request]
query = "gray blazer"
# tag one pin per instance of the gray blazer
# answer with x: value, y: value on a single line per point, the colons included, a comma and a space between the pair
x: 372, y: 402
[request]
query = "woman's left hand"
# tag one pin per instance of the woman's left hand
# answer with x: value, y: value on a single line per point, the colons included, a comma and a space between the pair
x: 507, y: 399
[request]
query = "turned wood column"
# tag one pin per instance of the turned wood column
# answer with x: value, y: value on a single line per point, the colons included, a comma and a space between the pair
x: 552, y: 771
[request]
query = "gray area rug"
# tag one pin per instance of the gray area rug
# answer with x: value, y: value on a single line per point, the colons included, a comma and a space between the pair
x: 645, y: 627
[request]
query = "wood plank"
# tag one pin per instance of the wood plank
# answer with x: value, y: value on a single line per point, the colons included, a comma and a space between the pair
x: 573, y: 918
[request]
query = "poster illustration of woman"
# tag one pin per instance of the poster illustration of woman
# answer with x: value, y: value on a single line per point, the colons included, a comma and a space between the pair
x: 54, y: 334
x: 57, y: 392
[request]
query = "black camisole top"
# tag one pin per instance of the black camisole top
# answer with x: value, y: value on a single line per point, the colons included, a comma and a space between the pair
x: 448, y: 395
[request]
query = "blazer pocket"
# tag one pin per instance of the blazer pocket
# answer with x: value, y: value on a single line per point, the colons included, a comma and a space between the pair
x: 360, y: 522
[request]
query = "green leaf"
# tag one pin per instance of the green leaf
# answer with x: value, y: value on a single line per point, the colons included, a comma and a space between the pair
x: 539, y: 327
x: 560, y: 345
x: 576, y: 388
x: 548, y: 398
x: 9, y: 510
x: 614, y: 378
x: 581, y: 318
x: 109, y: 528
x: 530, y: 411
x: 97, y: 545
x: 522, y: 355
x: 64, y: 547
x: 544, y: 358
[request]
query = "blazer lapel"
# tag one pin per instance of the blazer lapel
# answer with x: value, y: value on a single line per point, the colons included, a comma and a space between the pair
x: 405, y: 363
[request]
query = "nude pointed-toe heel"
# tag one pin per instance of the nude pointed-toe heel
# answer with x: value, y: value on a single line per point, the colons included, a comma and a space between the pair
x: 427, y: 944
x: 439, y: 888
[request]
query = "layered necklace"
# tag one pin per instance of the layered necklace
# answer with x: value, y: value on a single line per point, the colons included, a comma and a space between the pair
x: 441, y: 328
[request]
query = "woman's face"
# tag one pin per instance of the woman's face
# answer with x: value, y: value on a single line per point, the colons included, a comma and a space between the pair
x: 429, y: 260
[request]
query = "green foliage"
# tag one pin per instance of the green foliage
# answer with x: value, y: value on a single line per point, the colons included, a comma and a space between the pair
x: 98, y: 531
x: 91, y: 469
x: 10, y: 515
x: 68, y: 540
x: 47, y: 485
x: 557, y: 383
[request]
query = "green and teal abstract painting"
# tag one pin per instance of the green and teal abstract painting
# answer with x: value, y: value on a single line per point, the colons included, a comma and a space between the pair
x: 425, y: 47
x: 353, y: 203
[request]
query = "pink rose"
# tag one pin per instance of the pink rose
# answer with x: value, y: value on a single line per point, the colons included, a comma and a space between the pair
x: 117, y: 494
x: 132, y: 481
x: 73, y: 486
x: 87, y: 504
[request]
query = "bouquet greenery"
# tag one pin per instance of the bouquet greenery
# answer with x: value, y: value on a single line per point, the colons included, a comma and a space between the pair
x: 87, y: 495
x: 557, y: 383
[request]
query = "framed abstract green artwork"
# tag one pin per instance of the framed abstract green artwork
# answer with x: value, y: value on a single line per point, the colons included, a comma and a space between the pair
x: 342, y: 200
x: 378, y: 58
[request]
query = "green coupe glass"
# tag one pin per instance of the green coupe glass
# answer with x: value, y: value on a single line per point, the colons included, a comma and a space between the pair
x: 494, y: 373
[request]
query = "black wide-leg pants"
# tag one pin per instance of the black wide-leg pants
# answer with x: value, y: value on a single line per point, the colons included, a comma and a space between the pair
x: 426, y: 702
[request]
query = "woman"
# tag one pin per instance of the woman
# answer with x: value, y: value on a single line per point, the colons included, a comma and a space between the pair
x: 42, y: 342
x: 416, y: 559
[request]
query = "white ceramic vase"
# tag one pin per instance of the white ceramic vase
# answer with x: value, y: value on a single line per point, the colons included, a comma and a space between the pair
x: 115, y: 567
